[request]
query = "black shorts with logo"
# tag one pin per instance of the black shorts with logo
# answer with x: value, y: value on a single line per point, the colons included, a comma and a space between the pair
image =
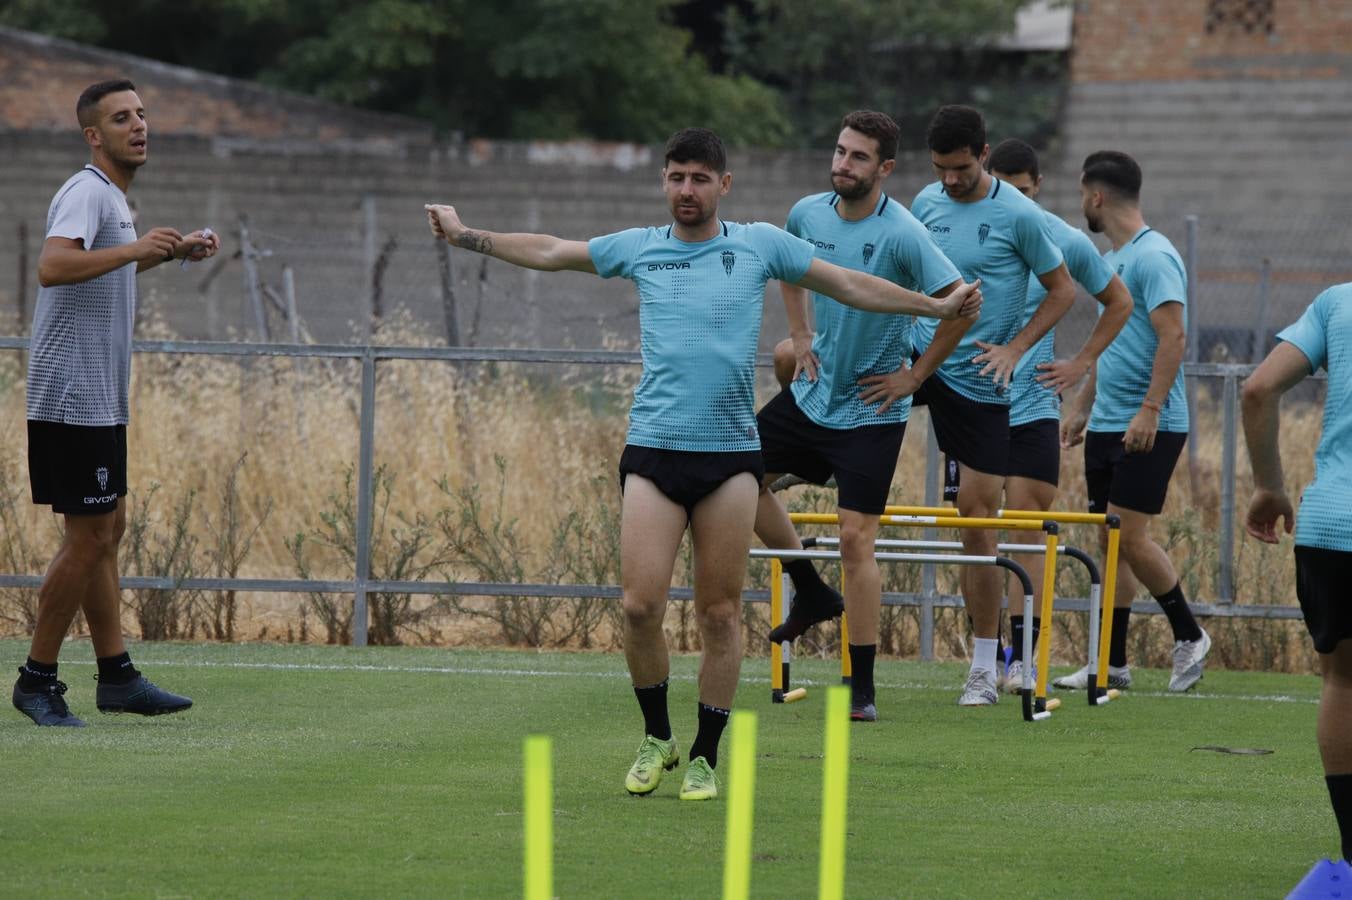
x: 1134, y: 481
x: 862, y: 459
x: 1322, y: 577
x: 975, y: 434
x: 77, y: 469
x: 1034, y: 452
x: 686, y: 477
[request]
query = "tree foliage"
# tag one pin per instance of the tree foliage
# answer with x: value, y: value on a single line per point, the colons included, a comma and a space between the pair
x: 607, y: 69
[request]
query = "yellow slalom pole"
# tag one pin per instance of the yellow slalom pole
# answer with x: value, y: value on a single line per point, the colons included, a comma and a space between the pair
x: 1109, y: 601
x: 835, y: 785
x: 539, y: 818
x: 741, y: 797
x: 776, y: 616
x: 1044, y: 650
x: 846, y: 664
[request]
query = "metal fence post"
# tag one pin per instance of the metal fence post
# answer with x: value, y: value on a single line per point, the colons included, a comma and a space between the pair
x: 1225, y: 577
x: 365, y: 476
x: 928, y: 588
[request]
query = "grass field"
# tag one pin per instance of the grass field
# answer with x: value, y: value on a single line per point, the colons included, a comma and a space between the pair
x: 331, y: 771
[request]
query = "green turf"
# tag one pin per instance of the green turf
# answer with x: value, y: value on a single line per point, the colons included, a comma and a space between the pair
x: 323, y: 771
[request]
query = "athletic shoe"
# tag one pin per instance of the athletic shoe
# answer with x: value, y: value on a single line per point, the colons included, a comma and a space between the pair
x: 1013, y: 682
x: 863, y: 712
x: 1188, y: 656
x: 45, y: 705
x: 700, y: 782
x: 654, y: 758
x: 979, y: 689
x: 1328, y: 878
x: 1119, y: 677
x: 819, y: 603
x: 138, y: 696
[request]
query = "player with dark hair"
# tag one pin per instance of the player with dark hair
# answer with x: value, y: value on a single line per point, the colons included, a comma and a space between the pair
x: 993, y: 233
x: 1321, y: 338
x: 836, y: 420
x: 79, y: 368
x: 692, y: 455
x: 1139, y: 419
x: 1039, y: 379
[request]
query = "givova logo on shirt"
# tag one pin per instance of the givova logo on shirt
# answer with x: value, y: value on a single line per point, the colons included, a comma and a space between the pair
x: 663, y: 267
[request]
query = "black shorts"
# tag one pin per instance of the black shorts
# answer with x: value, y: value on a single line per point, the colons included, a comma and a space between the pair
x: 1134, y: 481
x: 77, y: 469
x: 862, y: 459
x: 1322, y: 577
x: 686, y: 477
x: 1034, y: 452
x: 975, y: 434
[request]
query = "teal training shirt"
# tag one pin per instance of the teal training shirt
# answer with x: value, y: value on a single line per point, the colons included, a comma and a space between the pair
x: 1154, y: 275
x: 1029, y: 401
x: 999, y: 239
x: 1324, y: 335
x: 699, y: 315
x: 852, y: 343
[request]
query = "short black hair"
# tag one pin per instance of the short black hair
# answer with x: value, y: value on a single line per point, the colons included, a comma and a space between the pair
x: 697, y: 145
x: 1114, y: 170
x: 954, y: 127
x: 1014, y: 157
x: 89, y: 99
x: 879, y: 126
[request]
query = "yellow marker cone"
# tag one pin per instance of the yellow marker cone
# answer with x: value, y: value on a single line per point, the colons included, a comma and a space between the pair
x: 835, y: 783
x: 741, y: 797
x: 539, y: 818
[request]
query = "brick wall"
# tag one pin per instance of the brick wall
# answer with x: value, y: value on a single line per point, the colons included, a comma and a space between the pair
x: 1168, y: 40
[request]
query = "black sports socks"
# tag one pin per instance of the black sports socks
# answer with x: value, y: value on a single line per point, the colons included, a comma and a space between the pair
x: 861, y: 672
x: 653, y: 701
x: 1180, y: 616
x: 712, y: 721
x: 1016, y: 626
x: 33, y: 675
x: 116, y: 669
x: 1117, y: 643
x: 1340, y: 794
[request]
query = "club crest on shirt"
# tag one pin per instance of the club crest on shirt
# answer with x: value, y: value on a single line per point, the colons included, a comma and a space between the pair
x: 1121, y: 267
x: 729, y: 260
x: 868, y: 253
x: 982, y: 233
x: 102, y: 475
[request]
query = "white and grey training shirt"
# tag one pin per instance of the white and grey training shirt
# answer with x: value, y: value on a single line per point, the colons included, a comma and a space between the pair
x: 79, y: 361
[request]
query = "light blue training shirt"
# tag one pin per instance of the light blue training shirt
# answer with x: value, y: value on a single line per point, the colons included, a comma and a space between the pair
x: 1154, y: 275
x: 1029, y: 400
x: 699, y: 315
x: 1000, y: 239
x: 1324, y: 335
x: 850, y: 342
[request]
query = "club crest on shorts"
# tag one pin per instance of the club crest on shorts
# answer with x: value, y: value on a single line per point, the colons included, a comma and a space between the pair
x: 101, y: 474
x: 729, y: 260
x: 982, y: 233
x: 868, y: 253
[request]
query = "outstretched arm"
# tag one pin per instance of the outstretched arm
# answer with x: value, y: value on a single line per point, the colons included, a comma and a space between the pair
x: 874, y: 294
x: 905, y: 381
x: 1063, y: 374
x: 1284, y: 367
x: 532, y: 251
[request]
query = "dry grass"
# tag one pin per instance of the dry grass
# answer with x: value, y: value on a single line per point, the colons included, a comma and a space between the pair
x: 539, y: 443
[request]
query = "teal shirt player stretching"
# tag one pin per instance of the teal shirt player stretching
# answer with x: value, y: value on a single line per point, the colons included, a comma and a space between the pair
x: 852, y: 343
x: 1000, y: 240
x: 699, y: 311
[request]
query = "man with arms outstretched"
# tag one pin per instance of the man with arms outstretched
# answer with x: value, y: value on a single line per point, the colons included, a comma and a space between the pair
x: 1321, y: 338
x: 79, y: 368
x: 692, y: 454
x: 1035, y: 393
x: 1139, y: 419
x: 835, y: 419
x: 993, y: 233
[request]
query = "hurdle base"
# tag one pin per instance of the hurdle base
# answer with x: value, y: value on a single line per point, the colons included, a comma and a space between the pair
x: 795, y: 695
x: 776, y: 695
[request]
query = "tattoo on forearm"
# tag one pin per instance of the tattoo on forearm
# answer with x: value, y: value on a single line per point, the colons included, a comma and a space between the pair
x: 476, y: 241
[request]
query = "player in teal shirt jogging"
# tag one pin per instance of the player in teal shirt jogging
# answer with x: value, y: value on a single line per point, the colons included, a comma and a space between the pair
x: 692, y: 455
x: 831, y: 421
x: 993, y: 233
x: 1319, y: 339
x: 1140, y: 416
x: 1035, y: 394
